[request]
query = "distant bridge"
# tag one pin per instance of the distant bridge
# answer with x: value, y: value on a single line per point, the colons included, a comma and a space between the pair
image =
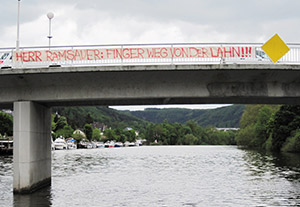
x: 36, y: 79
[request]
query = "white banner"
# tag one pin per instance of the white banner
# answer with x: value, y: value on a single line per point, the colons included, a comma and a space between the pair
x: 132, y: 53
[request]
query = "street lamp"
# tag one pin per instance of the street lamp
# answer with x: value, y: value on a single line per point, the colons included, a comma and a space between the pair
x: 50, y: 16
x: 18, y: 28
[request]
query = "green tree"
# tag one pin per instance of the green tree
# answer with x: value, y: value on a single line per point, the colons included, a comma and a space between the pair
x: 191, y: 133
x: 130, y: 135
x: 53, y: 123
x: 55, y: 117
x: 88, y: 130
x: 110, y: 134
x: 66, y: 132
x: 159, y: 132
x: 261, y: 127
x: 190, y: 139
x: 255, y: 124
x: 96, y: 134
x: 6, y: 124
x: 149, y: 133
x: 61, y: 123
x: 89, y: 119
x: 286, y: 121
x: 292, y: 144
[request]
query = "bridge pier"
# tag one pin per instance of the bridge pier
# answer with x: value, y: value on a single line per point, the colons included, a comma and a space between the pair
x: 32, y: 147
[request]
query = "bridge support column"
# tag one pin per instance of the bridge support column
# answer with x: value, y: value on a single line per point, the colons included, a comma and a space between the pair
x: 32, y: 147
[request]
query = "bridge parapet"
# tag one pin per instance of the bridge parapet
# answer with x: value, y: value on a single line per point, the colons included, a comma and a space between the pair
x: 142, y: 54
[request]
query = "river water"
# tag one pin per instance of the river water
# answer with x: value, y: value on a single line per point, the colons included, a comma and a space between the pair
x: 163, y: 176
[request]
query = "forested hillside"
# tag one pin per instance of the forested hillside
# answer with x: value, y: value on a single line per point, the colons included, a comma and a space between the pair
x: 221, y: 117
x: 78, y: 116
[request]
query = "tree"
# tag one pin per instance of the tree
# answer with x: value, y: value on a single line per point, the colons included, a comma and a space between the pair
x: 130, y: 135
x: 66, y: 132
x: 96, y: 134
x: 255, y: 124
x: 245, y: 136
x: 88, y: 130
x: 89, y: 119
x: 292, y: 144
x: 190, y: 139
x: 286, y: 120
x: 6, y: 124
x: 261, y: 127
x: 159, y: 132
x: 61, y: 123
x: 149, y: 133
x: 110, y: 134
x: 56, y: 117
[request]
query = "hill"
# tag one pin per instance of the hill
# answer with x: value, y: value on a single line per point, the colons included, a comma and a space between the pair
x: 78, y: 116
x: 228, y: 116
x: 221, y: 117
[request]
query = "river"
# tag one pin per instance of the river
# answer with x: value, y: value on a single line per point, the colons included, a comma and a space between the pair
x: 162, y: 176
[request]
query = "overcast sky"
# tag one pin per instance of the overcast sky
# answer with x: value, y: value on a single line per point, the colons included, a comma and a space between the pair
x: 81, y: 22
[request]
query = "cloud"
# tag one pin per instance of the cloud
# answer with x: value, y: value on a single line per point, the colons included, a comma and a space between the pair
x: 143, y: 107
x: 143, y: 21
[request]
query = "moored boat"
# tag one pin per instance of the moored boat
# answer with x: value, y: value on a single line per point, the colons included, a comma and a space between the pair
x: 6, y: 147
x: 89, y: 145
x: 60, y: 143
x: 71, y: 144
x: 99, y: 145
x: 129, y: 144
x: 119, y: 144
x: 109, y: 144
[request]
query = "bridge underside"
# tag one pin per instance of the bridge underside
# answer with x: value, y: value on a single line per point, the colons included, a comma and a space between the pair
x: 164, y: 84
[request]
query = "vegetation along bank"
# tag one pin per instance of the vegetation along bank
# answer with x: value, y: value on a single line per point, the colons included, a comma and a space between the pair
x: 267, y: 127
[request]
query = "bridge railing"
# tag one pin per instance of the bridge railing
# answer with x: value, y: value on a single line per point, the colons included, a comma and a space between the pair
x: 142, y: 54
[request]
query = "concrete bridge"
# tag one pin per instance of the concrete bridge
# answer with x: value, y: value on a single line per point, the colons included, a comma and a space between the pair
x: 32, y: 91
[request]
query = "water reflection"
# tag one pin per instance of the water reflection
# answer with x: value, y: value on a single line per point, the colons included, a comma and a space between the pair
x: 274, y: 169
x: 41, y: 197
x: 288, y: 162
x: 286, y: 165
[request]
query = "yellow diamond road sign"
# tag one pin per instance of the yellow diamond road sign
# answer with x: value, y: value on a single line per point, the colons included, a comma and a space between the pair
x: 275, y: 48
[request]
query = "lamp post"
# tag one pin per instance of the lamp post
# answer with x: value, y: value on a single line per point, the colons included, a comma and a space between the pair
x: 18, y: 27
x: 50, y: 16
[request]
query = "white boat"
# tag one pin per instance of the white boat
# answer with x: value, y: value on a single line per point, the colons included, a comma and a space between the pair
x: 94, y: 144
x: 109, y: 144
x: 119, y: 144
x: 99, y: 144
x: 89, y: 145
x: 6, y: 147
x: 138, y: 142
x: 71, y: 144
x: 129, y: 144
x: 60, y: 144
